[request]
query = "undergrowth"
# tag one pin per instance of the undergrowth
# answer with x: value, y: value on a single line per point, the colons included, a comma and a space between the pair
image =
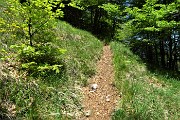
x: 145, y: 95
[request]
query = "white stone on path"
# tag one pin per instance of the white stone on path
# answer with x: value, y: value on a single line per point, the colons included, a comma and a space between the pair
x: 107, y: 98
x: 93, y: 87
x: 88, y: 113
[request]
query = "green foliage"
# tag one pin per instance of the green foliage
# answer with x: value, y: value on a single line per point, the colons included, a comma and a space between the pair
x: 152, y: 19
x: 39, y: 59
x: 156, y: 22
x: 100, y: 17
x: 30, y: 25
x: 35, y: 18
x: 113, y: 12
x: 126, y: 31
x: 86, y: 3
x: 112, y: 9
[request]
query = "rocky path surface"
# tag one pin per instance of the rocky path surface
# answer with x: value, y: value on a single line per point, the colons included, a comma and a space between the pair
x: 100, y: 96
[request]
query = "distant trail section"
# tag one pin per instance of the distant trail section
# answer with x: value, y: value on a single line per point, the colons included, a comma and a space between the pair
x: 101, y: 96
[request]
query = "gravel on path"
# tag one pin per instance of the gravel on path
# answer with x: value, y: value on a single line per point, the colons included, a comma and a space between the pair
x: 101, y: 96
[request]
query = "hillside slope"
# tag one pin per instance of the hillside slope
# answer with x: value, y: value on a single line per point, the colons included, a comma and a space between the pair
x: 55, y: 96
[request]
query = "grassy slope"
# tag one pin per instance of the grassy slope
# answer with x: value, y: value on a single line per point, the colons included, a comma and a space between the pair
x: 83, y: 50
x: 145, y: 95
x: 55, y: 96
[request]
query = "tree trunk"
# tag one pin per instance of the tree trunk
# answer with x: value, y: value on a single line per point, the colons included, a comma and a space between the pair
x: 29, y: 32
x: 156, y: 55
x: 175, y: 54
x: 29, y: 27
x: 162, y: 52
x: 170, y: 53
x: 113, y: 28
x: 92, y: 18
x: 97, y: 18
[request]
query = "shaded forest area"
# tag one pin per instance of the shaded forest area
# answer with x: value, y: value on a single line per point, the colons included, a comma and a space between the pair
x: 150, y: 27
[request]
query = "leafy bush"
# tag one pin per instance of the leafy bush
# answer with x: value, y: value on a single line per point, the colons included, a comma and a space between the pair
x: 30, y: 24
x: 39, y: 59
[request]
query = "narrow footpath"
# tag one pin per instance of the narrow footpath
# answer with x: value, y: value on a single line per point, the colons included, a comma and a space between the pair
x: 100, y: 96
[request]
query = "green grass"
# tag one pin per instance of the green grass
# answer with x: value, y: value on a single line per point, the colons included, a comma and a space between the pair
x: 83, y: 55
x: 145, y: 95
x: 56, y: 96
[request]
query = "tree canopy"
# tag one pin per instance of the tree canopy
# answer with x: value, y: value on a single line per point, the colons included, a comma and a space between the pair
x: 150, y: 27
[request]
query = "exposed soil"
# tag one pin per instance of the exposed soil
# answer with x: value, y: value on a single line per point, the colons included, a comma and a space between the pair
x: 100, y: 103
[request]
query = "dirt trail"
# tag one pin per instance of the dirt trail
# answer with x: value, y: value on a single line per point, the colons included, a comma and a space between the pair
x: 100, y: 103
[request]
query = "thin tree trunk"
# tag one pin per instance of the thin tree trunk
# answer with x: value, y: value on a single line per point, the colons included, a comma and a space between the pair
x: 97, y: 18
x: 92, y: 18
x: 175, y: 54
x: 113, y: 28
x: 156, y: 54
x: 170, y: 53
x: 29, y: 27
x: 29, y: 32
x: 95, y: 25
x: 162, y: 52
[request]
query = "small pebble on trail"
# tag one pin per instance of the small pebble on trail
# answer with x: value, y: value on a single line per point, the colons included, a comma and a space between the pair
x: 107, y: 98
x: 93, y: 87
x: 88, y: 113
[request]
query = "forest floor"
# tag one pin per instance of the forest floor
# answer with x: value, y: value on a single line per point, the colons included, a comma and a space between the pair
x: 101, y: 96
